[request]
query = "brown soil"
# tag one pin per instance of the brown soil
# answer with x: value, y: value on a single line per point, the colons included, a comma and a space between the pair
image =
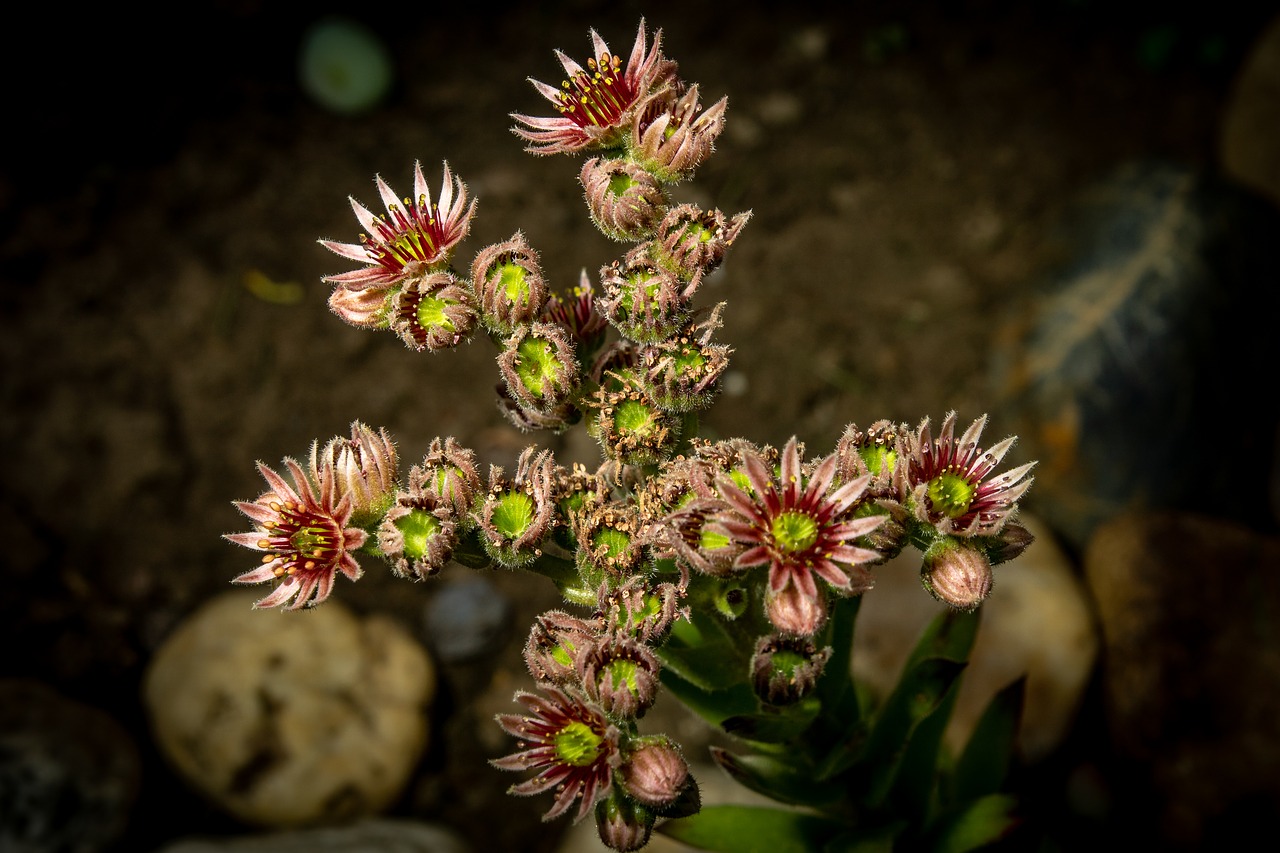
x: 902, y: 189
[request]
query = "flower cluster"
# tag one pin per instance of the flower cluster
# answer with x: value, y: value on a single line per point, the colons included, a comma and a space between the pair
x: 719, y: 565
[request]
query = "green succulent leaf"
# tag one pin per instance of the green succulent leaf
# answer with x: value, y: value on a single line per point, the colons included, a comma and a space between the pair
x: 774, y: 724
x: 779, y: 778
x: 918, y: 695
x: 988, y: 756
x: 714, y: 705
x: 973, y: 826
x: 752, y: 829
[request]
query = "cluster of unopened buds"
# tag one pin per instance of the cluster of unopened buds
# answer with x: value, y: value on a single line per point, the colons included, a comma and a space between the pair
x: 752, y: 535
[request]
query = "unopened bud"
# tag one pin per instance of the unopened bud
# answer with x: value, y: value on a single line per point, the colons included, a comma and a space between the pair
x: 956, y: 574
x: 784, y: 669
x: 623, y: 825
x: 655, y: 773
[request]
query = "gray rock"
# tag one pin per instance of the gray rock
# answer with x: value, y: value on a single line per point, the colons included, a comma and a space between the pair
x: 466, y: 617
x: 383, y: 836
x: 1190, y: 614
x: 1250, y: 135
x: 286, y: 719
x: 1120, y: 365
x: 68, y: 773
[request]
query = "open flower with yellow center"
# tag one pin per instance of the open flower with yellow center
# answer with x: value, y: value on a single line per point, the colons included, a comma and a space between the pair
x: 303, y: 531
x: 571, y: 744
x: 597, y: 103
x: 801, y: 531
x: 416, y: 235
x: 944, y: 480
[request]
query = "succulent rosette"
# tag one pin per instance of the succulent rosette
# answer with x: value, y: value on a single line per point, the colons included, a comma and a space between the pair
x: 802, y: 531
x: 305, y: 533
x: 364, y: 466
x: 670, y: 137
x: 596, y: 104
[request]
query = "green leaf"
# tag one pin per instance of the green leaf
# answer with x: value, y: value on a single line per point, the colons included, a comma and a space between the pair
x: 917, y: 696
x: 780, y: 779
x: 988, y: 756
x: 877, y: 839
x: 702, y: 653
x: 976, y: 825
x: 774, y: 724
x: 714, y: 706
x: 752, y: 829
x: 950, y: 635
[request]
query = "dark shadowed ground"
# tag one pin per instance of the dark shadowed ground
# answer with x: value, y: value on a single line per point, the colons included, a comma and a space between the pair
x: 905, y: 163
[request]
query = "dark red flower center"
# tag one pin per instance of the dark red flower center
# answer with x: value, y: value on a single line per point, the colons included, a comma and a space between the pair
x: 599, y: 98
x: 301, y: 539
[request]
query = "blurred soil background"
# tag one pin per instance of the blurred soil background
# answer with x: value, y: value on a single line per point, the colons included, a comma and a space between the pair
x: 164, y: 322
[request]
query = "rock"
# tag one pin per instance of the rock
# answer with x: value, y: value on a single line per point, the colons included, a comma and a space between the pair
x: 384, y: 836
x: 466, y: 617
x: 286, y: 719
x: 68, y: 773
x: 1037, y: 622
x: 1113, y: 371
x: 1251, y: 120
x: 1190, y: 614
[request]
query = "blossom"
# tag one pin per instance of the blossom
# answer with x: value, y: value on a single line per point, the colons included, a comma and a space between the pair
x: 801, y: 532
x: 570, y: 743
x: 596, y: 104
x: 945, y: 481
x: 303, y: 530
x: 365, y: 467
x: 672, y: 139
x: 413, y: 236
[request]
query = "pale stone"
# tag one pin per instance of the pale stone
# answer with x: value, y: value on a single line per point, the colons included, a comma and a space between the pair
x: 1251, y: 120
x: 1037, y: 622
x: 287, y: 719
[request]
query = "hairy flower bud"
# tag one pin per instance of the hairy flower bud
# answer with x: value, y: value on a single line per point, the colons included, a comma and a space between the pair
x: 956, y: 574
x: 621, y: 674
x: 449, y: 471
x: 509, y: 285
x: 514, y: 517
x: 681, y: 372
x: 609, y: 540
x: 363, y: 467
x: 642, y: 301
x: 655, y: 772
x: 673, y: 139
x: 433, y: 311
x: 793, y: 612
x: 554, y: 644
x: 624, y: 200
x: 635, y: 610
x: 539, y: 368
x: 368, y: 308
x: 784, y: 669
x: 631, y: 428
x: 694, y: 241
x: 418, y: 535
x: 622, y: 824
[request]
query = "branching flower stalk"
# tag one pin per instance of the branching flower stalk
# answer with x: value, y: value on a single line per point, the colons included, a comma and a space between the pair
x: 726, y: 572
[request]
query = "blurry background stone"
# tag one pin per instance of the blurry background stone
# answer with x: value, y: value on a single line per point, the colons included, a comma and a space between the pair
x: 290, y: 719
x: 1250, y: 149
x: 466, y: 616
x: 68, y: 772
x: 365, y: 836
x: 1190, y: 613
x: 1117, y: 372
x: 1037, y: 622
